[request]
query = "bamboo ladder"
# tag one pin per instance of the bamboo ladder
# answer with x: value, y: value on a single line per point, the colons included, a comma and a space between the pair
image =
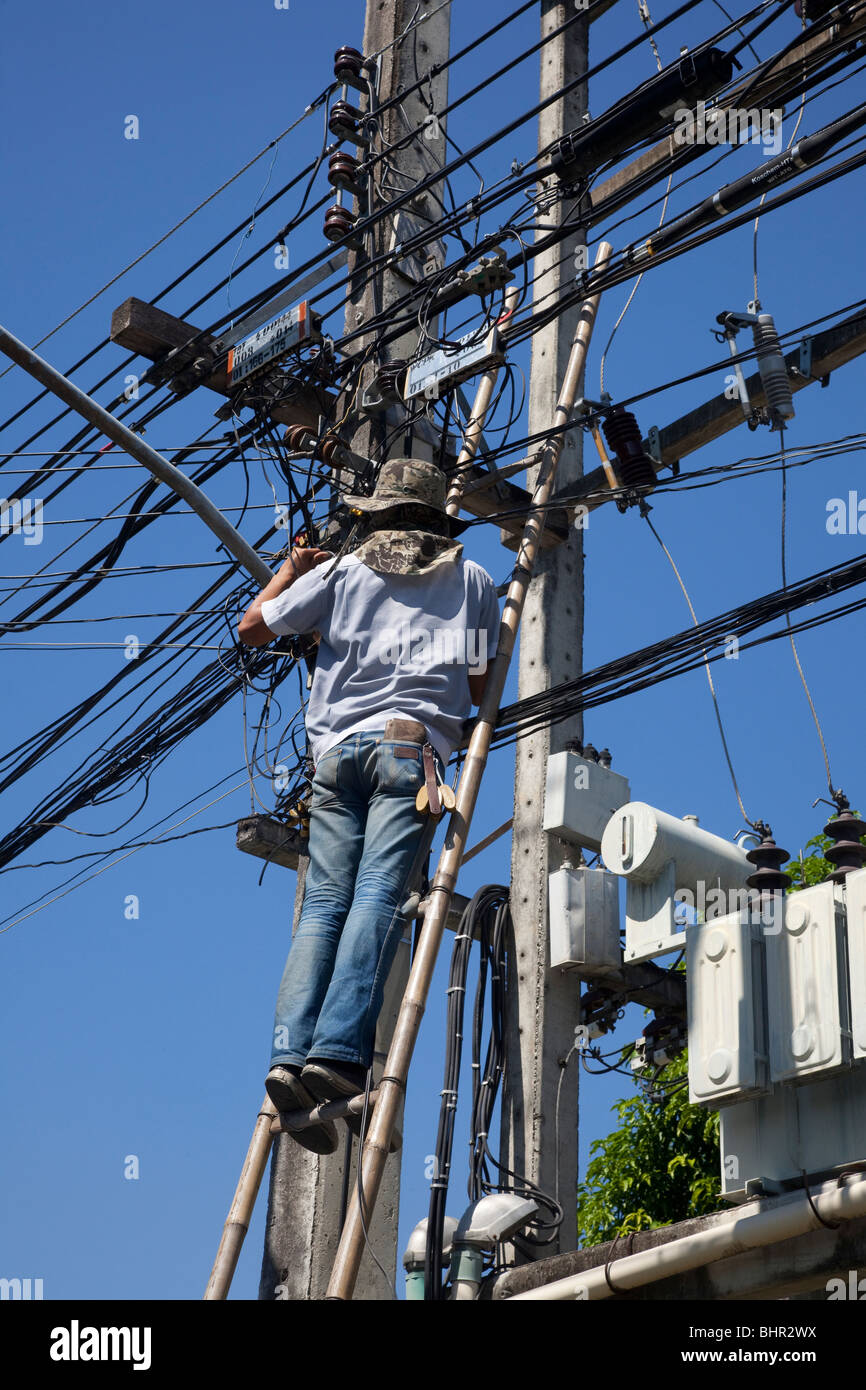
x: 393, y: 1082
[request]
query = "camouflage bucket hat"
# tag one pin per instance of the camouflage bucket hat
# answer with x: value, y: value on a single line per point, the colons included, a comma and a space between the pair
x: 404, y: 482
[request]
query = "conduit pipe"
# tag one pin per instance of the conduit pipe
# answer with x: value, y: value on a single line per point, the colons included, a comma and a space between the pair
x: 843, y: 1201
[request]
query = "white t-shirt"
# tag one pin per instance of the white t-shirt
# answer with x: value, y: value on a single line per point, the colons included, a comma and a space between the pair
x: 393, y: 646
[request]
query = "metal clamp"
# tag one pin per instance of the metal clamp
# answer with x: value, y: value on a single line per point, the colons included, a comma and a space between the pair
x: 804, y: 363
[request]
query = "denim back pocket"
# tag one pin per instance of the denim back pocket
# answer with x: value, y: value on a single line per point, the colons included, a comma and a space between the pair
x: 400, y: 768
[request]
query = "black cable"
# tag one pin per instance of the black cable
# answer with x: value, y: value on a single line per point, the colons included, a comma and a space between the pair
x: 682, y: 651
x: 533, y: 251
x: 365, y: 224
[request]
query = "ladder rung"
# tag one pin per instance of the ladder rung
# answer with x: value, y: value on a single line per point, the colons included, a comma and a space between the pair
x: 288, y: 1120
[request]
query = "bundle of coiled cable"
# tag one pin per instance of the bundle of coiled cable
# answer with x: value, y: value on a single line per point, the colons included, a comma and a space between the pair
x: 488, y: 918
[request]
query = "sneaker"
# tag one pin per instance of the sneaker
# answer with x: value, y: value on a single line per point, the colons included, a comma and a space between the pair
x: 342, y: 1080
x: 333, y: 1080
x: 329, y: 1079
x: 285, y: 1089
x: 283, y: 1085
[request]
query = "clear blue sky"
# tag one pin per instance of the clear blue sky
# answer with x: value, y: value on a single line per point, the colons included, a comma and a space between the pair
x: 150, y: 1036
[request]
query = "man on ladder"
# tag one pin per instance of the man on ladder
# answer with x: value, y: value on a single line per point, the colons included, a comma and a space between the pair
x: 407, y: 626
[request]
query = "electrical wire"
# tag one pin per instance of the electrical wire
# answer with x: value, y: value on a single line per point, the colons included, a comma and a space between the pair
x: 784, y: 566
x: 715, y: 698
x: 644, y: 12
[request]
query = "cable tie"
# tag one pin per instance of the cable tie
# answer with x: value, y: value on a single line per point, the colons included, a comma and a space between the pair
x: 629, y: 1250
x: 396, y: 1080
x: 831, y: 1225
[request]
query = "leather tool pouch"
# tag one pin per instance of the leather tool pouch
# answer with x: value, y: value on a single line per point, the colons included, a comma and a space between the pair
x: 405, y: 731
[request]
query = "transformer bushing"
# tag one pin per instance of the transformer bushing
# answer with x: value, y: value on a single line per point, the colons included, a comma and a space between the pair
x: 846, y: 853
x: 768, y: 859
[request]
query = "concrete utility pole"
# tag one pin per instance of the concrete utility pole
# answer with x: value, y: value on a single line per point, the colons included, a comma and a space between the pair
x: 543, y: 1004
x: 306, y: 1191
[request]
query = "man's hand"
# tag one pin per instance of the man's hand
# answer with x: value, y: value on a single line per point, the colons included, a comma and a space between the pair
x: 252, y: 629
x: 302, y: 559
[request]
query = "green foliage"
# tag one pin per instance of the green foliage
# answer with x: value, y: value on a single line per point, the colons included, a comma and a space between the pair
x: 661, y: 1165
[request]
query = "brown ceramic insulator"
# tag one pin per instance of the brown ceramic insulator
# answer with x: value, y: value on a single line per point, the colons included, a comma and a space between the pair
x: 343, y: 172
x: 391, y: 377
x: 297, y: 438
x: 342, y: 120
x: 349, y: 66
x: 768, y: 859
x: 846, y: 853
x: 329, y: 449
x: 633, y: 467
x: 339, y: 222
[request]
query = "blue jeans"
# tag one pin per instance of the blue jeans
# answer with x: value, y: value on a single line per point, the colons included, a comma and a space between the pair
x: 364, y: 835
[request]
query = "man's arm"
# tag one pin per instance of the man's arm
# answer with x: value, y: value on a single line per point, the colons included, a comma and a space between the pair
x: 478, y: 685
x: 487, y: 637
x: 252, y: 628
